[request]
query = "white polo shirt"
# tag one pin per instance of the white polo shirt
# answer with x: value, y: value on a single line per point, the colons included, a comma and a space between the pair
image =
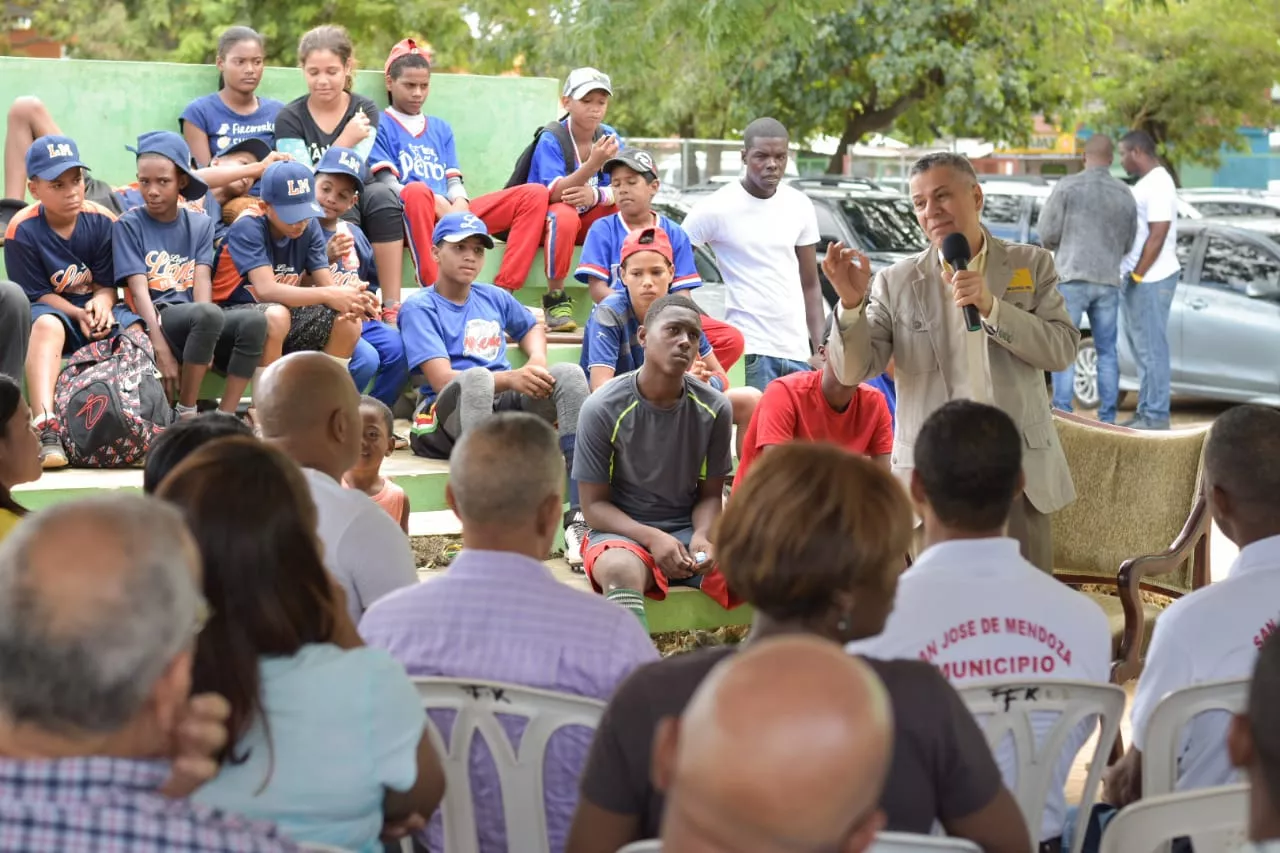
x: 980, y: 612
x: 1210, y: 635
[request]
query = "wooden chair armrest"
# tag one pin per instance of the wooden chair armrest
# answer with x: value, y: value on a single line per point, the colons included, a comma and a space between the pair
x: 1188, y: 544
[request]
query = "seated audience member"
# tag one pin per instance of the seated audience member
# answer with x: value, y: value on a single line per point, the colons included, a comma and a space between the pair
x: 15, y: 328
x: 59, y: 251
x: 653, y: 453
x: 19, y: 452
x: 99, y: 613
x: 184, y: 438
x: 1214, y: 633
x: 379, y: 354
x: 377, y: 442
x: 455, y: 337
x: 233, y: 184
x: 610, y: 345
x: 263, y: 263
x: 163, y: 255
x: 816, y: 406
x: 326, y: 738
x: 1253, y: 744
x: 814, y: 541
x: 419, y: 151
x: 331, y: 114
x: 305, y: 408
x: 28, y: 120
x: 577, y: 196
x: 498, y: 614
x: 971, y: 604
x: 634, y: 183
x: 798, y: 765
x: 234, y: 113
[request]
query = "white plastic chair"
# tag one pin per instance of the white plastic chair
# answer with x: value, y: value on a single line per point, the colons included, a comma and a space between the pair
x: 476, y: 704
x: 653, y: 845
x: 1216, y: 819
x: 1004, y: 708
x: 886, y: 842
x: 1171, y: 716
x: 321, y: 848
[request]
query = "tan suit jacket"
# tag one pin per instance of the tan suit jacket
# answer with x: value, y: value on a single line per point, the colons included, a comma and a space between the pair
x: 903, y: 318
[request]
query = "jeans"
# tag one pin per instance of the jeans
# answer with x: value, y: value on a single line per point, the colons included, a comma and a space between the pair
x: 763, y: 369
x: 1102, y: 303
x: 1146, y: 328
x: 392, y: 371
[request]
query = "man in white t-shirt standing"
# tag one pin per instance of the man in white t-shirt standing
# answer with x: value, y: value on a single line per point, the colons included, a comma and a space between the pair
x: 1150, y: 275
x: 765, y: 237
x: 971, y: 604
x: 1215, y: 632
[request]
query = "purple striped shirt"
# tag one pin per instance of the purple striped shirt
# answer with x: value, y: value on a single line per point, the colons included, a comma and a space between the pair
x: 500, y: 616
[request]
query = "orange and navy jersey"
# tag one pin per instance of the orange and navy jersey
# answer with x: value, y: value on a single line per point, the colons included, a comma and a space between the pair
x: 167, y: 253
x: 357, y: 266
x: 249, y: 246
x: 44, y: 262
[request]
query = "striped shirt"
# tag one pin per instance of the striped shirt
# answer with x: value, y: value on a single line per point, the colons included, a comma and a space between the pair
x: 499, y: 616
x: 112, y: 805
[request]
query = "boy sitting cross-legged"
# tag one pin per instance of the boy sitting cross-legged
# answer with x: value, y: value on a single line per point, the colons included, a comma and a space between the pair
x: 455, y: 337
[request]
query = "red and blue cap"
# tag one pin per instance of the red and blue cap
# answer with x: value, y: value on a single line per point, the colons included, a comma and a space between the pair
x: 289, y: 187
x: 172, y: 147
x: 50, y: 156
x: 647, y: 240
x: 456, y: 227
x: 342, y: 161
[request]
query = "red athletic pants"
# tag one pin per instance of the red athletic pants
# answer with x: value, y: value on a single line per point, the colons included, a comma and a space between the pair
x: 726, y: 341
x: 565, y: 229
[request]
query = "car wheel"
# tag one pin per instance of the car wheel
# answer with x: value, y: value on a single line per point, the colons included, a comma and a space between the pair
x: 1086, y: 376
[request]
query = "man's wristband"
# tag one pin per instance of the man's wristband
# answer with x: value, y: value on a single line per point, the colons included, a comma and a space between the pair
x: 1134, y: 277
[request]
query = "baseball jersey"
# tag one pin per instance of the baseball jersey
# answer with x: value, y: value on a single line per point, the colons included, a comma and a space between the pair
x: 547, y: 165
x: 357, y: 265
x: 794, y: 408
x: 249, y: 245
x: 603, y: 247
x: 167, y: 253
x: 652, y: 459
x: 43, y: 262
x: 612, y: 337
x: 226, y: 127
x: 298, y: 134
x: 429, y: 157
x: 472, y: 334
x: 212, y: 208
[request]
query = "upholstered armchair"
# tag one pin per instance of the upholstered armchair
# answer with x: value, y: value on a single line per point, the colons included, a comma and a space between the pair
x: 1137, y: 535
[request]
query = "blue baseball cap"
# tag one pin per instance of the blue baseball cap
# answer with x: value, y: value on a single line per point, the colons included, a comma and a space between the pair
x: 50, y: 156
x: 289, y: 187
x: 341, y: 161
x: 456, y: 227
x: 173, y: 148
x: 255, y: 146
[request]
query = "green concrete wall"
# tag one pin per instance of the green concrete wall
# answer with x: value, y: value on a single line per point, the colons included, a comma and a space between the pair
x: 105, y: 105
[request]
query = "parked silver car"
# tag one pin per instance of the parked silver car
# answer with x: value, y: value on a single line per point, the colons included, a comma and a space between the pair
x: 1224, y: 325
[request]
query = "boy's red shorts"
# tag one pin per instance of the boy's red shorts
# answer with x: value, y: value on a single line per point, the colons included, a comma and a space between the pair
x: 712, y: 583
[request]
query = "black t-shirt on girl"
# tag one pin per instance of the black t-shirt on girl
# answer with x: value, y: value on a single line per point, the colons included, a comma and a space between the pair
x: 295, y: 122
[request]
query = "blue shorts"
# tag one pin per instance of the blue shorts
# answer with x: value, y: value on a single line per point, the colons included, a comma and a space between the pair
x: 124, y: 318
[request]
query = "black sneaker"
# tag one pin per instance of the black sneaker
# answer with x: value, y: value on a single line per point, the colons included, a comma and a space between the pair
x: 574, y: 534
x: 557, y: 309
x: 51, y: 453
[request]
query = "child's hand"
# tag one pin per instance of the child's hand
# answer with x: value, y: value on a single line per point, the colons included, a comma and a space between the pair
x: 700, y: 370
x: 356, y: 131
x: 338, y: 247
x: 602, y: 150
x: 273, y: 157
x: 346, y: 300
x: 579, y: 197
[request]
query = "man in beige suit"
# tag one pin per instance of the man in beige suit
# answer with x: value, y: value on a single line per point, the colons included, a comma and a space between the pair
x: 914, y: 315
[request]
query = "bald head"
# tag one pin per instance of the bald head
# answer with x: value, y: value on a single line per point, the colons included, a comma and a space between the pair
x: 307, y: 404
x: 1099, y: 150
x: 786, y: 744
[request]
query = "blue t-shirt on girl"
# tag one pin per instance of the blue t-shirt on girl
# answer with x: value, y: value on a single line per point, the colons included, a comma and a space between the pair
x: 167, y: 253
x: 249, y: 245
x: 358, y: 264
x: 469, y: 335
x: 226, y: 127
x: 43, y: 262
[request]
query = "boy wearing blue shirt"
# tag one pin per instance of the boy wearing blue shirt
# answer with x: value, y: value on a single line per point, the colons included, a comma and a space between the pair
x: 379, y: 355
x: 419, y: 150
x: 59, y: 251
x: 274, y: 261
x: 163, y: 254
x: 455, y: 335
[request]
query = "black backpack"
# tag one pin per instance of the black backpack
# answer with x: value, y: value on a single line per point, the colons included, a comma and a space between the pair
x: 520, y: 175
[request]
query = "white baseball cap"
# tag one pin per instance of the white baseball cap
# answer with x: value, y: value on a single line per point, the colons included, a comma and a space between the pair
x: 583, y: 80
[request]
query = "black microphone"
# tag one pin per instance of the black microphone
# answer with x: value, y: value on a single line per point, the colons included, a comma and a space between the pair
x: 955, y: 251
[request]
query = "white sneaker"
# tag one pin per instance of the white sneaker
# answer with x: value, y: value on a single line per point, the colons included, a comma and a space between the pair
x: 574, y: 534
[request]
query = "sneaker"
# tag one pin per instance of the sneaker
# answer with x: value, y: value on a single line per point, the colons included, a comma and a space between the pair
x: 558, y: 310
x: 574, y: 534
x: 51, y: 453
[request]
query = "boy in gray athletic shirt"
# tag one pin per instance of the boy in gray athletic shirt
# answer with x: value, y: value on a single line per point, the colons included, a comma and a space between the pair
x: 654, y: 448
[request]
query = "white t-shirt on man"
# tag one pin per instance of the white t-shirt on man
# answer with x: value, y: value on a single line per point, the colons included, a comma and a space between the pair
x: 980, y: 612
x: 1157, y: 199
x: 755, y: 242
x: 1212, y: 634
x: 363, y: 547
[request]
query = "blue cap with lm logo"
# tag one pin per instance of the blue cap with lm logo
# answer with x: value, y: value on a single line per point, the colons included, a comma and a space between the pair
x: 50, y: 156
x: 342, y: 161
x: 289, y: 187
